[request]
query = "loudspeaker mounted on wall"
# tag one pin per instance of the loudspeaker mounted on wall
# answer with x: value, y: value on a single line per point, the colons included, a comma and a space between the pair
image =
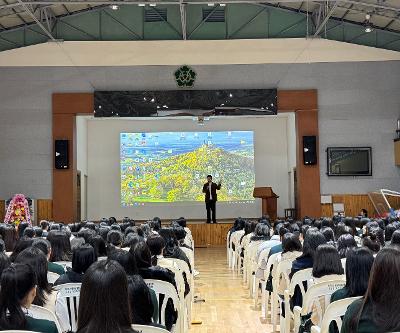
x: 310, y: 150
x: 61, y: 160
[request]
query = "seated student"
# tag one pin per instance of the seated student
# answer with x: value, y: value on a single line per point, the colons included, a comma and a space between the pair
x: 9, y: 236
x: 114, y: 239
x: 21, y: 228
x: 270, y: 242
x: 144, y: 309
x: 358, y: 267
x: 29, y: 232
x: 371, y: 242
x: 37, y: 260
x: 82, y: 258
x: 18, y: 290
x: 396, y: 238
x: 45, y: 246
x: 22, y: 244
x: 345, y: 243
x: 38, y: 232
x: 60, y: 246
x: 45, y: 227
x: 180, y: 235
x: 278, y: 248
x: 172, y: 249
x: 329, y: 235
x: 99, y: 246
x: 291, y: 249
x: 103, y: 304
x: 156, y: 246
x: 146, y: 270
x: 4, y: 259
x: 326, y: 266
x: 378, y: 310
x: 312, y: 240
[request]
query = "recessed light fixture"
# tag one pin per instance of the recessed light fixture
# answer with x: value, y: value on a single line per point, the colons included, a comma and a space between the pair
x: 114, y: 7
x: 211, y: 4
x: 141, y: 4
x: 153, y: 5
x: 222, y: 4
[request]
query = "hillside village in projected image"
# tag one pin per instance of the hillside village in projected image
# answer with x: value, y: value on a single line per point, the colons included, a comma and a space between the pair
x: 172, y: 166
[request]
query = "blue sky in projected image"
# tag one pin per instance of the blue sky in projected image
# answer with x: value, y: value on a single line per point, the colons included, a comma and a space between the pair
x: 158, y: 144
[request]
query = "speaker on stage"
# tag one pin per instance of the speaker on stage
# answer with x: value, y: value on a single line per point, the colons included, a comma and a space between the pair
x: 310, y: 150
x: 61, y: 160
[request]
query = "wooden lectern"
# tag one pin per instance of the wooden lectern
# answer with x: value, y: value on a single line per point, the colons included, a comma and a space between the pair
x: 269, y: 201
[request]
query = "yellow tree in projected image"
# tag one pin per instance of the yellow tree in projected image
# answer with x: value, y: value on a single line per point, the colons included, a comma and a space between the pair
x: 172, y: 166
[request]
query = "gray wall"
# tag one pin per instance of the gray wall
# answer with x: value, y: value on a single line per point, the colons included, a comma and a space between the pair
x: 358, y: 105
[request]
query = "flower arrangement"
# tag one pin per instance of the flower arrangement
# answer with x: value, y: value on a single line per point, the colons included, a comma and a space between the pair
x: 18, y: 210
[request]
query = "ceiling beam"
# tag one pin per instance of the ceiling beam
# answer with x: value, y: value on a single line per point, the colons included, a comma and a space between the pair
x: 194, y: 2
x: 31, y: 14
x: 326, y: 18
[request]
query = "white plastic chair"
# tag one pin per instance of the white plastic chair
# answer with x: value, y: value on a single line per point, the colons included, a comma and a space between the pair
x: 235, y: 240
x: 148, y: 329
x: 281, y: 271
x: 190, y: 254
x: 343, y: 260
x: 52, y: 277
x: 169, y: 292
x: 334, y: 312
x: 297, y: 280
x: 322, y: 289
x: 263, y: 255
x: 67, y: 305
x: 264, y: 293
x: 39, y: 312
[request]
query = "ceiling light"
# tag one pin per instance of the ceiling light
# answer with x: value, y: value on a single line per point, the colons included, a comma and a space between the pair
x: 222, y: 4
x: 153, y: 4
x: 114, y: 7
x: 211, y: 4
x: 368, y: 28
x: 141, y: 4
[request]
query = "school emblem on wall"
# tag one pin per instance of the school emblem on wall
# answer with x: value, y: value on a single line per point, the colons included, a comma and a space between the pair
x: 185, y: 77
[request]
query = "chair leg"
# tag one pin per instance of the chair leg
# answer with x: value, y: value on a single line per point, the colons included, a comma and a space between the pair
x: 264, y: 300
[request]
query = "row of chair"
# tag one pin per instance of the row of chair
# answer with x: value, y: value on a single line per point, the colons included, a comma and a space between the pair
x: 315, y: 295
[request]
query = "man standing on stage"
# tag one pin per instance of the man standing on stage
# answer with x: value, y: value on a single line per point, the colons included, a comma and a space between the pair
x: 210, y: 190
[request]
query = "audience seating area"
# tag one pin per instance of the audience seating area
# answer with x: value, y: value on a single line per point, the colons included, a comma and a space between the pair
x: 157, y: 278
x: 311, y: 275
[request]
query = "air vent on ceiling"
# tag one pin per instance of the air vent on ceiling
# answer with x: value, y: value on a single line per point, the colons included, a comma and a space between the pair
x: 155, y: 14
x: 213, y: 15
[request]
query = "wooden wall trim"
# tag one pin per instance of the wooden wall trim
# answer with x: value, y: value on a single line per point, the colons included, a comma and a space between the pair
x: 292, y: 100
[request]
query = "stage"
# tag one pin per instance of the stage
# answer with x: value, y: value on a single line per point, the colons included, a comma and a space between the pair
x: 204, y: 235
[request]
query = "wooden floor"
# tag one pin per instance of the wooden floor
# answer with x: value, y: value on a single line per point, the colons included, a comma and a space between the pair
x: 227, y: 307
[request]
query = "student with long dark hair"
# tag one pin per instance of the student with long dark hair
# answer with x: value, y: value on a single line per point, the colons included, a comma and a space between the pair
x: 312, y: 240
x: 396, y: 238
x: 126, y: 259
x: 45, y: 246
x: 37, y: 260
x: 60, y: 246
x: 172, y: 249
x: 9, y: 236
x: 82, y: 258
x: 5, y: 261
x: 22, y: 244
x: 18, y: 290
x: 378, y: 310
x: 345, y: 243
x: 146, y: 270
x: 103, y: 304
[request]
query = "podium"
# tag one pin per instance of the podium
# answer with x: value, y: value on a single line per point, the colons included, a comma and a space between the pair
x: 269, y: 200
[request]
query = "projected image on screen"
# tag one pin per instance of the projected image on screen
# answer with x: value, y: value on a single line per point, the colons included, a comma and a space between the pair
x: 172, y: 166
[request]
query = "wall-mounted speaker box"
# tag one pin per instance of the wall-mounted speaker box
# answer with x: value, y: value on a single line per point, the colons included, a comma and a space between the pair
x: 310, y: 150
x: 61, y: 160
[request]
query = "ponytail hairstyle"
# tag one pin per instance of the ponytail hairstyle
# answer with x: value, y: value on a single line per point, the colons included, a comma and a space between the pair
x: 16, y: 282
x: 38, y: 262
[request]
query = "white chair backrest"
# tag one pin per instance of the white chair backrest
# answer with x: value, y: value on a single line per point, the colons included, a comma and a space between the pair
x: 343, y: 264
x: 52, y: 277
x: 189, y: 254
x: 169, y: 291
x: 270, y: 262
x: 148, y: 329
x: 298, y: 278
x: 8, y: 253
x: 235, y: 237
x: 67, y: 305
x: 64, y: 264
x: 263, y: 255
x: 281, y: 271
x: 322, y: 289
x: 39, y: 312
x: 334, y: 311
